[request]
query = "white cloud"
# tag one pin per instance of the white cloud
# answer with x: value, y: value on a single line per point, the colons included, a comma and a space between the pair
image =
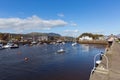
x: 73, y: 24
x: 73, y: 33
x: 60, y: 15
x: 29, y: 23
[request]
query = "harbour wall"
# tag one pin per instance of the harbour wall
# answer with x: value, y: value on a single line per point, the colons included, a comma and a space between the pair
x: 93, y: 42
x: 109, y: 68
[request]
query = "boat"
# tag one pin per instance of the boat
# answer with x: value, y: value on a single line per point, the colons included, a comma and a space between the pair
x: 26, y: 44
x: 61, y: 51
x: 63, y: 43
x: 14, y: 46
x: 33, y: 42
x: 97, y: 62
x: 1, y: 46
x: 75, y: 43
x: 10, y: 45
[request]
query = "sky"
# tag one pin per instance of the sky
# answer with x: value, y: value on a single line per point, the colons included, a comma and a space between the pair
x: 66, y: 17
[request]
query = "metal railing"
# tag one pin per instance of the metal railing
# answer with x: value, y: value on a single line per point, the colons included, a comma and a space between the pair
x: 95, y: 61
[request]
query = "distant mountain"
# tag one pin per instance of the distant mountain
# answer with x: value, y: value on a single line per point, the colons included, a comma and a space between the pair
x: 53, y: 34
x: 36, y: 34
x: 43, y: 34
x: 7, y: 36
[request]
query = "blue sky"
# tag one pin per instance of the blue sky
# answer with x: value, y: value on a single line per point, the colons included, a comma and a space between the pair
x: 66, y: 17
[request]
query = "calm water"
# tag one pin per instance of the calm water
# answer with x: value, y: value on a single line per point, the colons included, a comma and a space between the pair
x: 45, y: 64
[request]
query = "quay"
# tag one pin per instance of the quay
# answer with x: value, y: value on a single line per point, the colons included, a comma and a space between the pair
x: 104, y: 42
x: 109, y: 68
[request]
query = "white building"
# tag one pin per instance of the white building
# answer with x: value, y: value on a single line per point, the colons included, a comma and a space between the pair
x: 111, y: 38
x: 86, y: 38
x: 43, y: 38
x: 101, y: 38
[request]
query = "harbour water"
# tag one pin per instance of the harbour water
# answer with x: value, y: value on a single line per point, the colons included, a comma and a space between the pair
x: 44, y: 63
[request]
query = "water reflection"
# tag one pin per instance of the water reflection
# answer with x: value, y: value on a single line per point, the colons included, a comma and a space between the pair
x: 43, y: 63
x: 85, y: 47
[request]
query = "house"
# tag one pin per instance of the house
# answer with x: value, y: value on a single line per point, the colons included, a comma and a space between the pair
x: 86, y: 38
x: 26, y: 39
x: 101, y: 38
x: 111, y: 38
x: 2, y: 41
x: 43, y: 38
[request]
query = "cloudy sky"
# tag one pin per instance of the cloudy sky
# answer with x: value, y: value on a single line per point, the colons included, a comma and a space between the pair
x: 66, y: 17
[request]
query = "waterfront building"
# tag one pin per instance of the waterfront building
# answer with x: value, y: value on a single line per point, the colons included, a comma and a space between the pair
x: 86, y: 38
x: 111, y: 38
x: 43, y: 38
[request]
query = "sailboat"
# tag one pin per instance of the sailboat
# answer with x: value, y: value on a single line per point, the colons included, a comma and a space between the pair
x: 1, y: 46
x: 33, y: 42
x: 74, y: 43
x: 10, y: 43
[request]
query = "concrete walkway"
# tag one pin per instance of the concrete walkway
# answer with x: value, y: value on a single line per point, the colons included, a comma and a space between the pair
x: 113, y: 71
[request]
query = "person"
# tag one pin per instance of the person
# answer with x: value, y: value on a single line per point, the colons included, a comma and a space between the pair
x: 26, y: 59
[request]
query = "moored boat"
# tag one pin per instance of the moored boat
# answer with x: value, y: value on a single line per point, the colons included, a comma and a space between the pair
x: 61, y: 51
x: 14, y: 46
x: 10, y: 45
x: 73, y: 44
x: 1, y: 46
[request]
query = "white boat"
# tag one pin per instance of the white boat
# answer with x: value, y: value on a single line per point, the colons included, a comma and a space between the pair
x: 98, y: 62
x: 33, y: 43
x: 1, y: 46
x: 14, y: 46
x: 10, y: 45
x: 61, y: 51
x: 73, y: 44
x: 33, y: 40
x: 63, y: 43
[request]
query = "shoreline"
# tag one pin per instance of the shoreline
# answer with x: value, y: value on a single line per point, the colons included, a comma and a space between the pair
x: 93, y: 42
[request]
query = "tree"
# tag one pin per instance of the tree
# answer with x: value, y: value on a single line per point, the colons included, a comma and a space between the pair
x: 94, y: 36
x: 1, y: 36
x: 5, y: 37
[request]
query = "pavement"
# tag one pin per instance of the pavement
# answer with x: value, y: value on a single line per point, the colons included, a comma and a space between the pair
x: 109, y: 68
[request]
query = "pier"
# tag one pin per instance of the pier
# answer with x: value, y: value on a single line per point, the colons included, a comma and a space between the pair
x: 109, y: 68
